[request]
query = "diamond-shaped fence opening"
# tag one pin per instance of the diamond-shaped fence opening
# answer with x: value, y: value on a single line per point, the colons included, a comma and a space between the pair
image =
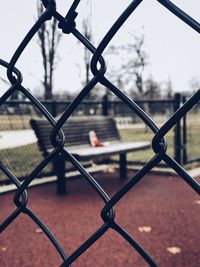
x: 98, y: 68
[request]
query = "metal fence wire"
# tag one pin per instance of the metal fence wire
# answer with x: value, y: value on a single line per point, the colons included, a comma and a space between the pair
x: 98, y: 67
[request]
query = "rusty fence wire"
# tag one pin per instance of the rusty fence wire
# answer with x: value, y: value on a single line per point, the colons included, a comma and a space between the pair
x: 98, y: 67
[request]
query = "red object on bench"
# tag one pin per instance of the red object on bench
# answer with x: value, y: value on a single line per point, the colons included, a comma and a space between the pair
x: 94, y: 140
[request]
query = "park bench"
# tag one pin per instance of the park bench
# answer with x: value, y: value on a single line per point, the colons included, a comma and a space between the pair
x: 77, y: 142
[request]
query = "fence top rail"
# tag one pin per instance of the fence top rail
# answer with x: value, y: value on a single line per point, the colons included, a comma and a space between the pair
x: 49, y: 102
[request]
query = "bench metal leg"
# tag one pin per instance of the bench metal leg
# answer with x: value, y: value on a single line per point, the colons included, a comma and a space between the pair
x: 59, y: 168
x: 123, y: 166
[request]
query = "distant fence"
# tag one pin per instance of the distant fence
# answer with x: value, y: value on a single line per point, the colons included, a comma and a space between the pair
x: 15, y: 115
x: 161, y: 109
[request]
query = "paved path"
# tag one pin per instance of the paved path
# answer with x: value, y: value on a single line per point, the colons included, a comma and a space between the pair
x: 10, y: 139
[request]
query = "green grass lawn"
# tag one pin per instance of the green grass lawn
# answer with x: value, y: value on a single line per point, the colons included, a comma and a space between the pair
x: 21, y: 160
x: 144, y: 135
x: 14, y: 122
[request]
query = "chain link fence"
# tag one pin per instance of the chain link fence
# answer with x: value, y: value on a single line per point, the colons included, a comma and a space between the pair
x: 98, y: 68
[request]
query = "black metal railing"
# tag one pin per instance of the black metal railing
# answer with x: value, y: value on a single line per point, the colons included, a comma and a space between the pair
x: 104, y: 106
x: 98, y: 68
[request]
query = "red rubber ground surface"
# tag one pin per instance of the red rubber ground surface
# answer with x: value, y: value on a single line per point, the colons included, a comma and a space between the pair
x: 166, y: 204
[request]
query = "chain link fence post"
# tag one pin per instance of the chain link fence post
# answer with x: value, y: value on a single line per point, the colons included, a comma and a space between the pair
x: 105, y: 104
x: 177, y: 131
x: 185, y: 156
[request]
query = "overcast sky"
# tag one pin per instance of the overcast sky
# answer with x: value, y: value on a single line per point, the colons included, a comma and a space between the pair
x: 173, y: 47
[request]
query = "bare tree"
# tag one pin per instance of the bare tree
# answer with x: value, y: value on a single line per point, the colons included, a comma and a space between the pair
x: 152, y: 89
x: 48, y: 39
x: 194, y: 84
x: 87, y: 32
x: 135, y: 60
x: 136, y: 65
x: 168, y: 89
x: 87, y: 54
